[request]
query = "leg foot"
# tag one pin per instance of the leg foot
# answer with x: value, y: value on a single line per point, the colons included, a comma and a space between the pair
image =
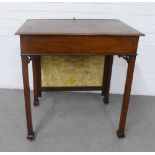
x: 36, y: 102
x: 31, y: 136
x: 105, y: 100
x: 120, y: 134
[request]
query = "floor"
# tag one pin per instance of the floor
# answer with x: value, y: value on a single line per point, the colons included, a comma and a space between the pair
x: 76, y: 121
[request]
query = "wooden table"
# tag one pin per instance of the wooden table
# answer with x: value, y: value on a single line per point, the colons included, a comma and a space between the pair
x: 108, y: 37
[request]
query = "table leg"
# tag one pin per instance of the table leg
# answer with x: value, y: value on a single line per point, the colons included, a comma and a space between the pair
x: 39, y: 75
x: 107, y: 77
x: 126, y: 96
x: 25, y: 61
x: 104, y: 75
x: 35, y: 80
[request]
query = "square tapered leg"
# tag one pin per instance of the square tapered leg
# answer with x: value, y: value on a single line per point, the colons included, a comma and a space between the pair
x: 126, y: 96
x: 35, y: 80
x: 30, y: 132
x: 107, y: 77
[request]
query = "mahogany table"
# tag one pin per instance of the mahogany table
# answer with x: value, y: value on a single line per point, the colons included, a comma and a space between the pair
x: 108, y: 37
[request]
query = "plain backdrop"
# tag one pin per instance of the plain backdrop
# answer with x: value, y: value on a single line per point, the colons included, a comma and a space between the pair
x: 138, y: 15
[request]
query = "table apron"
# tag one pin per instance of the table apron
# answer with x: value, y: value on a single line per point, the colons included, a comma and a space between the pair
x: 75, y: 45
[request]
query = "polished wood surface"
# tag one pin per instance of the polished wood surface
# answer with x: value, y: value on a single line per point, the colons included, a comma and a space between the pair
x: 107, y: 78
x: 30, y: 133
x: 73, y: 45
x: 107, y: 37
x: 126, y: 96
x: 71, y: 88
x: 39, y: 75
x: 35, y: 81
x: 112, y: 27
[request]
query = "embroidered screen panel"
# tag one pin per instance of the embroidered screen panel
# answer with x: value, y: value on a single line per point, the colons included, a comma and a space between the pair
x: 66, y: 71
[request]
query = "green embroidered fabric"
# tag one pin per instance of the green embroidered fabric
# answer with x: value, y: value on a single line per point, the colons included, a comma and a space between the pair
x: 63, y: 71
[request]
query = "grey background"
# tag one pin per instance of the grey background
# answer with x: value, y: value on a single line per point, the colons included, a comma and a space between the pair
x: 76, y: 121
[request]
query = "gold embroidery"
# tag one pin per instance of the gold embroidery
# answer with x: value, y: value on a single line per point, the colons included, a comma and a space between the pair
x: 61, y: 71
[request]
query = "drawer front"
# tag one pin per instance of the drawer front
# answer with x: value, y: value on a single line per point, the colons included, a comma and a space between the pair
x: 46, y: 45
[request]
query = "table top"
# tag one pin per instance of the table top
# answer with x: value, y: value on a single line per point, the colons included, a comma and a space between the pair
x: 110, y: 27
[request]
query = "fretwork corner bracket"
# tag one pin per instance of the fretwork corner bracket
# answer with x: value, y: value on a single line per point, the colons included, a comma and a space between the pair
x: 27, y: 58
x: 126, y: 57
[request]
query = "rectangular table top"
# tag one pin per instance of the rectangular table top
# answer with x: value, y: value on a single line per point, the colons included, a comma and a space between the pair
x: 109, y: 27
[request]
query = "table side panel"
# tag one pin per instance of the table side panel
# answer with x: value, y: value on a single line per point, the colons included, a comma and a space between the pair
x: 49, y: 44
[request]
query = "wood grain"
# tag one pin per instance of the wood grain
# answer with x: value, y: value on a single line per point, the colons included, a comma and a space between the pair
x: 73, y: 45
x: 112, y: 27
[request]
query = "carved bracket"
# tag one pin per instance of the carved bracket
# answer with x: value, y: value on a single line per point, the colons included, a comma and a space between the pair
x: 27, y: 58
x: 125, y: 57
